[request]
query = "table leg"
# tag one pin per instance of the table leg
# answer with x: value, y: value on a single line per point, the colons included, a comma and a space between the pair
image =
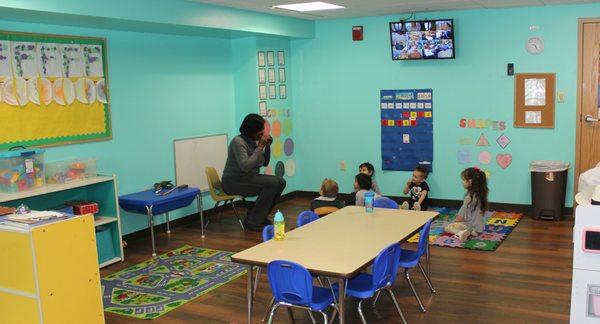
x: 250, y: 292
x: 341, y: 298
x: 199, y: 202
x: 168, y: 228
x: 428, y: 260
x: 151, y: 225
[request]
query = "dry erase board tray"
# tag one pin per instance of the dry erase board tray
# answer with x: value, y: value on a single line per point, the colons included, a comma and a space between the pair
x: 54, y: 188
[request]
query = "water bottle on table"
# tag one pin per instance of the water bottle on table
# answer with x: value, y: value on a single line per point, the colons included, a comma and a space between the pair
x: 279, y: 226
x: 369, y: 198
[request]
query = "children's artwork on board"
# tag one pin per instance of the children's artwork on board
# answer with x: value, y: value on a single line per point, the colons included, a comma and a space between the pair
x: 60, y: 85
x: 406, y: 128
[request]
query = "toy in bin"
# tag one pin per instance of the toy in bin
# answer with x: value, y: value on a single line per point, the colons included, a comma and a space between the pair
x: 82, y: 207
x: 65, y: 171
x: 21, y: 170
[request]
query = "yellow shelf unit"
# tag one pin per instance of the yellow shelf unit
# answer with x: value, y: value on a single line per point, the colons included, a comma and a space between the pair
x: 50, y: 274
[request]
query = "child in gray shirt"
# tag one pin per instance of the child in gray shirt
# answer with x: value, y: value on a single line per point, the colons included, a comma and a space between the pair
x: 469, y: 219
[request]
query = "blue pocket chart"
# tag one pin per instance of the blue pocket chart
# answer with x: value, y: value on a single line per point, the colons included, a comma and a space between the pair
x: 406, y: 129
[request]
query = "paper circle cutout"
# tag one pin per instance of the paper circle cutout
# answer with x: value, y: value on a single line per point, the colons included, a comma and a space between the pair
x: 45, y: 91
x: 279, y: 169
x: 267, y: 127
x: 15, y: 92
x: 277, y: 148
x: 101, y: 91
x: 32, y: 91
x: 290, y: 168
x: 485, y: 157
x: 287, y: 126
x: 269, y: 170
x: 276, y: 128
x: 288, y: 147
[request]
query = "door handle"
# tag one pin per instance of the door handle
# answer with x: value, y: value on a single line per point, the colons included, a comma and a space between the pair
x: 590, y: 119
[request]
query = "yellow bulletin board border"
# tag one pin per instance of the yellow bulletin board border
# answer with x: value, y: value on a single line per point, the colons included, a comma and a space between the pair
x: 65, y: 139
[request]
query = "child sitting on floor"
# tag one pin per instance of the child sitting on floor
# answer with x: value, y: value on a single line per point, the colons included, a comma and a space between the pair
x: 469, y: 219
x: 418, y: 188
x: 328, y: 198
x: 362, y: 184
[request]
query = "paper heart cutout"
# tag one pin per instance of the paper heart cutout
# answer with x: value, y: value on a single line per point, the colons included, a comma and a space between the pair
x: 504, y: 160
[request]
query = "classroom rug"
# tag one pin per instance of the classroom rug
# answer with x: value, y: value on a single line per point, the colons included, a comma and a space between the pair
x: 155, y: 287
x: 498, y: 225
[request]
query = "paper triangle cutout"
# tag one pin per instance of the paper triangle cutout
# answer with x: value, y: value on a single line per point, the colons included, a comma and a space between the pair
x: 482, y: 141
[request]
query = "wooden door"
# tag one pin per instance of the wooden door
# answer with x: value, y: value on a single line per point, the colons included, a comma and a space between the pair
x: 588, y: 105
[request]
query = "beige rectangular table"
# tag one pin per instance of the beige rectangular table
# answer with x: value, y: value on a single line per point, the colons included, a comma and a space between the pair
x: 338, y: 245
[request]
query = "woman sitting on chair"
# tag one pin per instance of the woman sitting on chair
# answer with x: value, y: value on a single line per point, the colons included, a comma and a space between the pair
x: 248, y: 152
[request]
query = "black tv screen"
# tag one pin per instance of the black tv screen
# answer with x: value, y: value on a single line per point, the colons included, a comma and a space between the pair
x: 422, y: 40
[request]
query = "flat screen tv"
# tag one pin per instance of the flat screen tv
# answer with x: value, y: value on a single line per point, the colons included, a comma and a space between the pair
x: 422, y: 39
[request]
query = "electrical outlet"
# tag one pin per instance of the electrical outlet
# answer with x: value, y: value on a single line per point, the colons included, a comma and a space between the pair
x: 561, y: 96
x: 343, y: 165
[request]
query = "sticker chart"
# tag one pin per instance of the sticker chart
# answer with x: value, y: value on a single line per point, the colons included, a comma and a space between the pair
x: 406, y: 129
x: 53, y: 90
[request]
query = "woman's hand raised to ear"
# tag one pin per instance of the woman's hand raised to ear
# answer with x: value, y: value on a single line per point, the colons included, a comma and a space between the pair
x: 265, y: 141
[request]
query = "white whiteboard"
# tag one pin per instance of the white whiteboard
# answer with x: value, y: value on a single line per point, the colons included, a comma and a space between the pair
x: 193, y: 155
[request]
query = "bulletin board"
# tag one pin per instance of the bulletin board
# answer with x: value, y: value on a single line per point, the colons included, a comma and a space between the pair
x: 406, y: 129
x: 534, y: 100
x: 53, y: 90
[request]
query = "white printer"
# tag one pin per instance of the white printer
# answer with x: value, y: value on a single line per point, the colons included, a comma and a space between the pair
x: 585, y: 291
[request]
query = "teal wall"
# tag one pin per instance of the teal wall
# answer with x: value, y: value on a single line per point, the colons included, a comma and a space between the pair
x: 337, y: 83
x: 162, y: 87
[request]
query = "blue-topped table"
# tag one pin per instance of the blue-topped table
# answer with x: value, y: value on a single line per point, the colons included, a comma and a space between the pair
x: 149, y: 203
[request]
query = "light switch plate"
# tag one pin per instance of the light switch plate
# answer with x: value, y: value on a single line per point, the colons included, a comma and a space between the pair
x: 560, y: 96
x: 343, y: 165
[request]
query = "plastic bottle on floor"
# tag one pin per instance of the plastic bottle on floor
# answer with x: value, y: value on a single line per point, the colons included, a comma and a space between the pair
x: 279, y: 224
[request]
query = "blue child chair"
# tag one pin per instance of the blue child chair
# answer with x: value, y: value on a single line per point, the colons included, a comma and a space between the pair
x: 385, y: 269
x: 410, y: 259
x: 385, y: 202
x: 306, y: 217
x: 292, y: 286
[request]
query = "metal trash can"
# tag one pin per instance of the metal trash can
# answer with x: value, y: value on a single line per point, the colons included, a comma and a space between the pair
x: 548, y: 188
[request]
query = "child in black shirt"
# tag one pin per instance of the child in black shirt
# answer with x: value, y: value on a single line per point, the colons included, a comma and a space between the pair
x: 418, y: 188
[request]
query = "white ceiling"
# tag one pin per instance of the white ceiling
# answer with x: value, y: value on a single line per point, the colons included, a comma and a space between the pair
x: 362, y: 8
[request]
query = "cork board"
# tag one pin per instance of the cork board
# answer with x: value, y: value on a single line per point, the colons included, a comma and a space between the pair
x: 534, y: 100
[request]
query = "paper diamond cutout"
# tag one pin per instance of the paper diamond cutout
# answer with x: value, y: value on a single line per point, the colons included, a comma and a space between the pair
x: 482, y: 141
x: 503, y: 141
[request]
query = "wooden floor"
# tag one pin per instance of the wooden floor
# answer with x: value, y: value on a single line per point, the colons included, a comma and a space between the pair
x: 526, y: 280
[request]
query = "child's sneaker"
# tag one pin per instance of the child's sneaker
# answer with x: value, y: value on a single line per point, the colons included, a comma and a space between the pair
x: 463, y: 235
x: 417, y: 206
x: 405, y: 205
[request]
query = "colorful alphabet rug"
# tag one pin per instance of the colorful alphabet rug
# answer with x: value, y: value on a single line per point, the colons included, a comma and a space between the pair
x: 155, y: 287
x: 498, y: 225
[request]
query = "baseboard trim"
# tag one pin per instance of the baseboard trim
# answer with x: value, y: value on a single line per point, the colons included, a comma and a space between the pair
x: 451, y: 203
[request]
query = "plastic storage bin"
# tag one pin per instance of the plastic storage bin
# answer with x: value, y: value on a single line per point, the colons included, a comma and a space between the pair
x: 21, y: 170
x: 548, y: 188
x: 65, y: 171
x: 104, y: 244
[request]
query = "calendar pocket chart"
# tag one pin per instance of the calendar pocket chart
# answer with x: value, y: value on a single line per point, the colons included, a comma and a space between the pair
x: 406, y: 129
